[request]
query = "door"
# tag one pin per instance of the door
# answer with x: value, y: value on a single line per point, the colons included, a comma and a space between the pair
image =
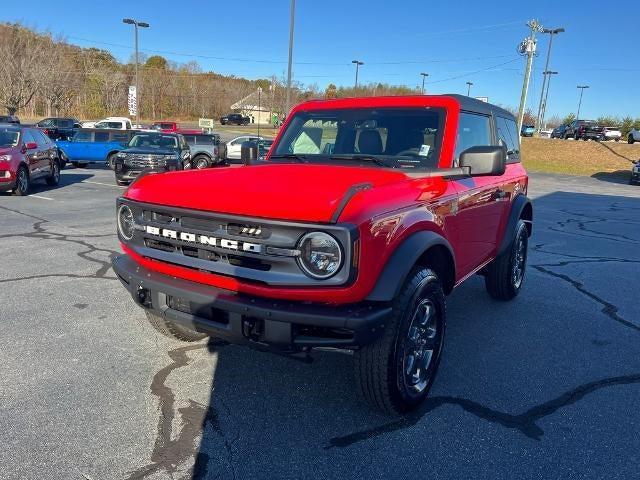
x: 30, y: 155
x: 481, y: 204
x: 97, y: 150
x: 45, y: 152
x: 233, y: 149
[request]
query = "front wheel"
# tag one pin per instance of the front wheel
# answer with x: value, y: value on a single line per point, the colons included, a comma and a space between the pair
x: 200, y: 162
x: 171, y: 329
x: 505, y: 274
x: 23, y: 182
x: 111, y: 161
x: 394, y: 374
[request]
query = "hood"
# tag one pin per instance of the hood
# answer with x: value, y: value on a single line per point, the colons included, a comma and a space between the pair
x: 150, y: 150
x: 310, y: 193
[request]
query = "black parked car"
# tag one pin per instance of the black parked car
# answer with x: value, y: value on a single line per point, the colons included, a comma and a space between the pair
x: 59, y: 128
x: 559, y: 131
x: 584, y: 130
x: 9, y: 119
x: 234, y: 119
x: 151, y: 152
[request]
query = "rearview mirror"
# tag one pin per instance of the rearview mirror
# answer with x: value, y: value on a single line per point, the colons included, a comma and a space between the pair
x: 484, y: 160
x: 248, y: 152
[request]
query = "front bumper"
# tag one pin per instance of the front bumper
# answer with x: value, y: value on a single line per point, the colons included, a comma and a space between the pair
x: 285, y: 325
x: 126, y: 173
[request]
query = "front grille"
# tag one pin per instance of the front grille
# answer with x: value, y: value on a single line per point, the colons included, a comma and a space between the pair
x: 145, y: 161
x: 257, y: 250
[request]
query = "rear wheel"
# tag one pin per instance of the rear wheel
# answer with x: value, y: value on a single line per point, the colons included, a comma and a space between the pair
x: 394, y: 373
x: 505, y: 275
x: 23, y: 182
x: 53, y: 179
x: 171, y: 329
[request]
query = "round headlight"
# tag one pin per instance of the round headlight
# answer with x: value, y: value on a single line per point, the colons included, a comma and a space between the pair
x: 320, y: 255
x: 126, y: 223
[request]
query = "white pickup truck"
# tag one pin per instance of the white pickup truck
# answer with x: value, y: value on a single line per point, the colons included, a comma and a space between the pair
x: 115, y: 123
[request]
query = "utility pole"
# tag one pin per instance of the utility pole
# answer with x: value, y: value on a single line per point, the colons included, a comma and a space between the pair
x: 424, y: 75
x: 136, y: 24
x: 357, y: 63
x: 581, y: 87
x: 469, y: 85
x: 528, y: 48
x: 551, y: 32
x: 547, y: 73
x: 259, y: 107
x: 292, y: 17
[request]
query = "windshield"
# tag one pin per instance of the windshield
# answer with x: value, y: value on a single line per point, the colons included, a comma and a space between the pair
x: 154, y: 140
x: 9, y: 137
x: 384, y: 137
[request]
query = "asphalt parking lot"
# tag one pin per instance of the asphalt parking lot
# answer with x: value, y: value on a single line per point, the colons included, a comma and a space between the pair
x: 547, y: 386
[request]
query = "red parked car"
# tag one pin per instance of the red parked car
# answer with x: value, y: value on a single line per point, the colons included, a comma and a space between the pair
x: 364, y: 214
x: 26, y: 155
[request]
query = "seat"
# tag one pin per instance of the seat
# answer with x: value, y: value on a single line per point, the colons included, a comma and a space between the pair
x: 369, y: 142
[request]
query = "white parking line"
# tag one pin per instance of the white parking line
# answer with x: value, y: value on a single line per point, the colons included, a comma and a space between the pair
x: 41, y: 197
x: 100, y: 183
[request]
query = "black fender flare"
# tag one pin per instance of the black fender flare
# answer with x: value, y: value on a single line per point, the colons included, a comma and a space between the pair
x: 517, y: 207
x: 402, y: 260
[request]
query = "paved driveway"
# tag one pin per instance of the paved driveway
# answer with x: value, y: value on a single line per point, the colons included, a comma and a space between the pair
x: 547, y: 386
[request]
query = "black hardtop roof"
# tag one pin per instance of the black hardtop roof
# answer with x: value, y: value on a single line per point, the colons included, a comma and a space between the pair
x: 471, y: 104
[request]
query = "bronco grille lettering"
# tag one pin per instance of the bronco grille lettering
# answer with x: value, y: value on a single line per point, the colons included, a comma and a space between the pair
x: 204, y: 240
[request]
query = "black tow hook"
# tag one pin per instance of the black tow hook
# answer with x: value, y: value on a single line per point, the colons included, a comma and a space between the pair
x: 144, y: 297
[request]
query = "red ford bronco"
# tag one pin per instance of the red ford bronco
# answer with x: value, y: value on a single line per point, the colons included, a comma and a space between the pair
x: 348, y: 235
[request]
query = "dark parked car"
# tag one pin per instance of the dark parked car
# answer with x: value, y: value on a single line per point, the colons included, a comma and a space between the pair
x: 584, y: 130
x: 9, y: 119
x: 26, y: 155
x: 151, y: 152
x: 235, y: 119
x: 559, y: 131
x: 205, y: 149
x: 59, y: 128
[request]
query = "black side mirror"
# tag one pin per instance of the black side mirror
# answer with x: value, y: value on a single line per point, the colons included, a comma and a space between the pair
x: 249, y: 152
x: 222, y: 151
x: 484, y: 160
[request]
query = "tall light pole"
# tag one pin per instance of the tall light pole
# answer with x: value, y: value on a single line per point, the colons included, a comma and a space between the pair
x: 543, y: 94
x: 292, y: 18
x: 581, y: 87
x: 136, y: 24
x: 424, y: 75
x: 469, y: 85
x: 357, y: 63
x: 546, y: 73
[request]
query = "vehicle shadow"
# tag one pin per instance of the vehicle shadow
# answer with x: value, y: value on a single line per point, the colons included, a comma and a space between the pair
x: 66, y: 179
x: 619, y: 176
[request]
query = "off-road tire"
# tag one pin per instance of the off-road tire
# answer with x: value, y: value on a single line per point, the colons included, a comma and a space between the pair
x: 631, y: 140
x: 379, y: 367
x: 171, y: 329
x: 500, y: 278
x: 23, y: 182
x: 200, y: 162
x: 111, y: 161
x: 53, y: 179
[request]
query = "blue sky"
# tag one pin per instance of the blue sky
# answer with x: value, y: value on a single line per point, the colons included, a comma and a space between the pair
x: 454, y: 41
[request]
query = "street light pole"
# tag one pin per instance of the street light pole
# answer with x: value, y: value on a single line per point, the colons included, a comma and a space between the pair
x: 469, y: 84
x: 424, y: 75
x: 581, y: 87
x: 292, y: 17
x: 547, y: 73
x: 543, y: 94
x: 136, y: 24
x: 357, y: 63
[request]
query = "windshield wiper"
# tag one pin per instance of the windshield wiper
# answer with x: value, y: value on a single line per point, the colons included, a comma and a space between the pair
x: 362, y: 158
x: 290, y: 156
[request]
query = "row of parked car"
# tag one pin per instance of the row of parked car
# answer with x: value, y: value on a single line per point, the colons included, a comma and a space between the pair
x: 40, y: 151
x: 591, y: 130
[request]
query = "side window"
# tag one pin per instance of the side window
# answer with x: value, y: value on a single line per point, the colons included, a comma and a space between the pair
x: 82, y: 136
x: 47, y: 122
x: 238, y: 141
x: 101, y: 137
x: 508, y: 136
x: 473, y: 131
x: 120, y: 137
x: 41, y: 139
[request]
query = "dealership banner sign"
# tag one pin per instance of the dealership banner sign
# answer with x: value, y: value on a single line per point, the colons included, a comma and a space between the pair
x: 133, y: 100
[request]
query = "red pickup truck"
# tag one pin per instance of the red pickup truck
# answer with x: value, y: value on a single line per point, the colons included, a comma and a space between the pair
x: 173, y: 127
x: 364, y: 215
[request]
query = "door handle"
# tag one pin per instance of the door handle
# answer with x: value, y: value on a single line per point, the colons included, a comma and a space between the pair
x: 499, y: 194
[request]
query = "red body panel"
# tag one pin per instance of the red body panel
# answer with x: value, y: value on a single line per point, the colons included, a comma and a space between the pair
x: 465, y: 212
